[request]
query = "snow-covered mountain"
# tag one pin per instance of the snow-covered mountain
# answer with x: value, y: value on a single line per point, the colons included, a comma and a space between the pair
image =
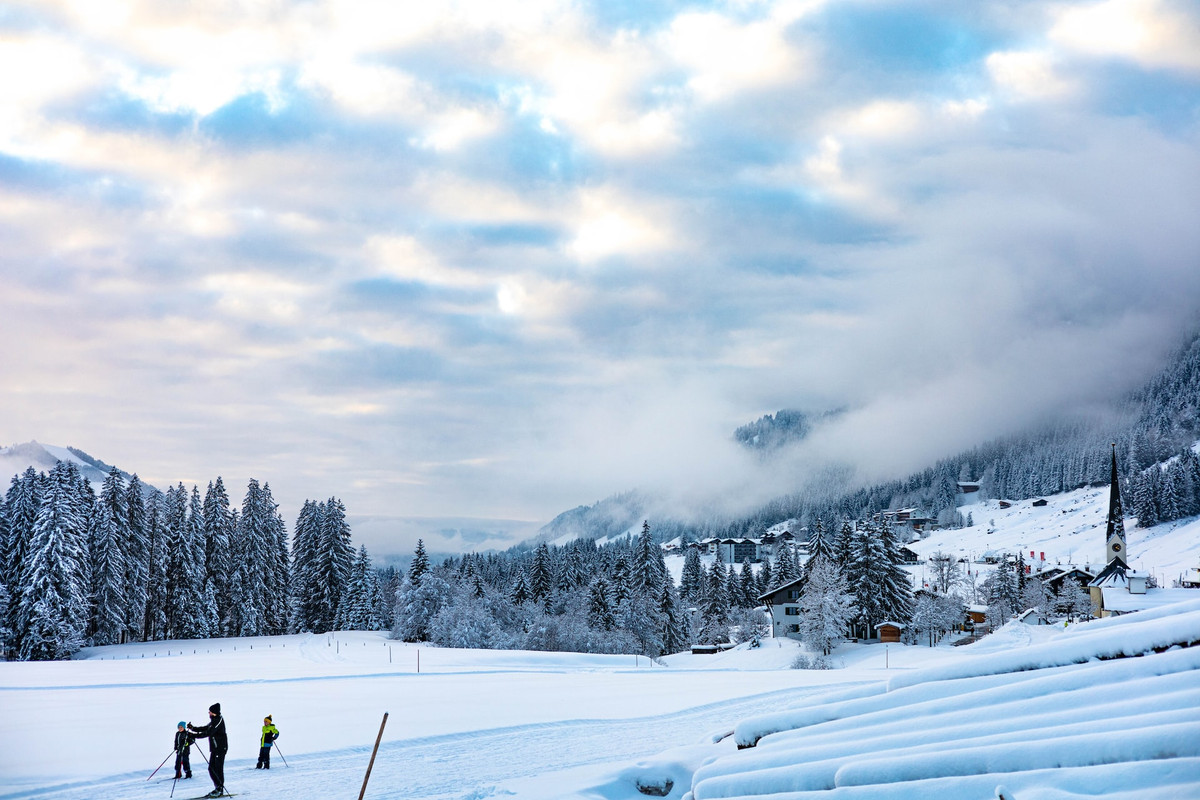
x: 16, y: 458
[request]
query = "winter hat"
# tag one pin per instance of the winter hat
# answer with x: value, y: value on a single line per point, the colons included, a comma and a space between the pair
x: 267, y: 718
x: 181, y: 724
x: 215, y: 708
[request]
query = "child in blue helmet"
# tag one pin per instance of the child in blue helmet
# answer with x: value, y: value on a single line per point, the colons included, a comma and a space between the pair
x: 183, y: 743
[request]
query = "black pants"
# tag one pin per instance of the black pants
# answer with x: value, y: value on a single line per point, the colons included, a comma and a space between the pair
x: 181, y: 760
x: 264, y: 756
x: 216, y: 769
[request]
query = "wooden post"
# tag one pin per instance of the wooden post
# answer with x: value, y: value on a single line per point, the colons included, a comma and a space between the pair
x: 367, y: 777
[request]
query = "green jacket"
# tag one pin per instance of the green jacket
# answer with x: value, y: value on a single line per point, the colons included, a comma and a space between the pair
x: 269, y: 734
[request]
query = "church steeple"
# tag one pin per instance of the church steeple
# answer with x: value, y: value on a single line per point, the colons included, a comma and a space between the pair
x: 1115, y: 535
x: 1118, y: 556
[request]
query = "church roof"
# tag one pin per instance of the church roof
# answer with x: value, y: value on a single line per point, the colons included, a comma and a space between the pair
x: 1113, y: 576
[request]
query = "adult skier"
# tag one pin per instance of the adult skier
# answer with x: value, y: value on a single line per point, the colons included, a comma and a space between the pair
x: 183, y: 743
x: 218, y: 745
x: 269, y: 734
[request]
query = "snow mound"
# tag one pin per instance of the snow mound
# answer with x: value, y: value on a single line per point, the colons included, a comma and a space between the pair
x: 1104, y: 709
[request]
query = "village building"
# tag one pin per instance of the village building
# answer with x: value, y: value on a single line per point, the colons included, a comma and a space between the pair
x: 783, y: 604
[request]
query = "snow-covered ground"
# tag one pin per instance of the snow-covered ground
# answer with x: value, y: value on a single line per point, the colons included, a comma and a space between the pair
x: 1052, y: 714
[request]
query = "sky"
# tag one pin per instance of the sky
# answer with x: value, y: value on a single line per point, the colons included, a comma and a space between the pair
x: 493, y: 260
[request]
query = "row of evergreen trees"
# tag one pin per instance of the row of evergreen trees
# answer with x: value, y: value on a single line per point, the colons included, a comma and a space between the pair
x: 133, y: 563
x: 619, y: 597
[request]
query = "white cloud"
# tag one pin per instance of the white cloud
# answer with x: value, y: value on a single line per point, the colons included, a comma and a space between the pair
x: 1153, y: 33
x: 1027, y: 74
x: 608, y: 224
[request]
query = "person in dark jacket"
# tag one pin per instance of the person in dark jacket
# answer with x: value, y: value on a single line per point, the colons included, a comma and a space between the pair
x: 183, y: 743
x: 269, y: 734
x: 218, y: 745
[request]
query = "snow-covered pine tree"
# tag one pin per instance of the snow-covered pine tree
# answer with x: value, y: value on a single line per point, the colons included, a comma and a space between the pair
x: 747, y: 586
x: 278, y: 573
x: 540, y: 579
x: 419, y: 565
x: 305, y: 589
x: 22, y: 504
x: 715, y: 608
x: 202, y: 614
x: 334, y: 556
x: 53, y: 606
x: 600, y: 614
x: 819, y: 544
x: 844, y: 548
x: 896, y: 597
x: 676, y: 632
x: 733, y: 588
x: 251, y: 553
x: 155, y: 623
x: 690, y: 580
x: 218, y: 543
x: 356, y: 612
x: 828, y: 607
x: 648, y: 566
x: 110, y: 612
x: 109, y: 566
x: 137, y: 559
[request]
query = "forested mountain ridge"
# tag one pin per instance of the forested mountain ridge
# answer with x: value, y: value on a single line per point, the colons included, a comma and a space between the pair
x: 1149, y: 426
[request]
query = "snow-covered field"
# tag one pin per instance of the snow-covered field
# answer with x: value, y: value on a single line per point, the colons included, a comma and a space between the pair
x: 1052, y: 714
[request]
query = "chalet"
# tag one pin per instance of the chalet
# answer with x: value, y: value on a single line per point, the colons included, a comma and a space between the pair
x: 976, y: 615
x: 889, y: 631
x: 909, y: 556
x: 738, y: 550
x: 968, y: 487
x: 1190, y: 579
x: 784, y: 606
x: 1039, y: 503
x: 1053, y: 577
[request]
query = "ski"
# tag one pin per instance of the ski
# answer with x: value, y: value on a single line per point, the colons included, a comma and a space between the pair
x: 209, y: 796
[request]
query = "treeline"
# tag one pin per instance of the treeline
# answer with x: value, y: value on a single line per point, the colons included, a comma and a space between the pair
x: 619, y: 597
x: 136, y: 564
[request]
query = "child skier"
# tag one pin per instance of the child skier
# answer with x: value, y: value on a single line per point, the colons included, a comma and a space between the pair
x: 183, y: 743
x: 269, y: 734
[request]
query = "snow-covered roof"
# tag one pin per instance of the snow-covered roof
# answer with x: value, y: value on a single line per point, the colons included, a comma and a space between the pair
x: 1112, y: 576
x: 1118, y: 600
x: 893, y: 624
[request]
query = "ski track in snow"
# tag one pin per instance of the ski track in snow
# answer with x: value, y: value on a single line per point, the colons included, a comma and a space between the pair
x: 464, y: 766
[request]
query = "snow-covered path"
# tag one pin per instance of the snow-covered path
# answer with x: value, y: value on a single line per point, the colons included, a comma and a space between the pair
x: 450, y: 767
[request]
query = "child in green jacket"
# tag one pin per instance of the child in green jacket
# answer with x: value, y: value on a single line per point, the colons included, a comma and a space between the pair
x: 269, y: 734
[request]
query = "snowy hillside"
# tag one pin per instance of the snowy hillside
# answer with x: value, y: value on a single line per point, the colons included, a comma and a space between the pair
x: 16, y: 458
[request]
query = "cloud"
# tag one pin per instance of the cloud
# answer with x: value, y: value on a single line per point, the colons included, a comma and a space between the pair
x: 1155, y: 34
x: 493, y: 260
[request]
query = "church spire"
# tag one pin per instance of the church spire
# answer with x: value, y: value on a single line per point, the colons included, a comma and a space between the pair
x: 1114, y: 537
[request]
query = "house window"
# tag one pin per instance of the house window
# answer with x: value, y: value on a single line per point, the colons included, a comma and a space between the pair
x: 793, y: 594
x: 793, y: 628
x: 791, y: 611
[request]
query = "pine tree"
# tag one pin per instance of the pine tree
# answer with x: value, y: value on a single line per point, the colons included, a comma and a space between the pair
x: 22, y: 505
x: 137, y: 559
x: 155, y: 623
x: 108, y: 560
x: 828, y: 606
x: 748, y: 587
x: 333, y: 560
x: 419, y: 565
x: 539, y: 575
x: 819, y: 545
x: 690, y: 580
x: 278, y: 572
x: 356, y: 612
x: 251, y: 553
x: 520, y: 590
x: 305, y: 589
x: 53, y: 607
x: 219, y: 534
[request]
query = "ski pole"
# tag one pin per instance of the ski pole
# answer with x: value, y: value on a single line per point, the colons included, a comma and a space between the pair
x: 156, y: 769
x: 277, y: 750
x: 173, y: 782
